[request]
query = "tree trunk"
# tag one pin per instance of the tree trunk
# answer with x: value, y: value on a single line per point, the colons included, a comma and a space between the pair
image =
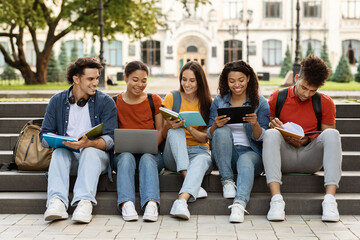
x: 28, y: 75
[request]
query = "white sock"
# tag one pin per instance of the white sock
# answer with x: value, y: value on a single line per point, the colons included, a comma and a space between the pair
x: 329, y: 197
x: 277, y: 197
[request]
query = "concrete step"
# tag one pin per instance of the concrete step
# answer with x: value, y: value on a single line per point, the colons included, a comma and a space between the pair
x: 13, y: 181
x: 348, y: 125
x: 214, y: 204
x: 22, y: 109
x: 345, y: 110
x: 8, y: 141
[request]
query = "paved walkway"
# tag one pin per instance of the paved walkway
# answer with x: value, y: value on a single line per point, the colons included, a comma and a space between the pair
x: 21, y: 226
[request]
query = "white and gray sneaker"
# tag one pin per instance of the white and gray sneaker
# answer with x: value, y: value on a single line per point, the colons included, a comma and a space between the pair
x: 202, y: 193
x: 330, y: 211
x: 128, y: 212
x: 180, y: 209
x: 229, y: 189
x: 56, y: 210
x: 82, y: 213
x: 277, y: 210
x: 237, y: 213
x: 151, y: 212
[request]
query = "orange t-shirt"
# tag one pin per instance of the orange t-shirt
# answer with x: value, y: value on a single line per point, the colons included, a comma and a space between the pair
x: 302, y: 113
x: 136, y: 116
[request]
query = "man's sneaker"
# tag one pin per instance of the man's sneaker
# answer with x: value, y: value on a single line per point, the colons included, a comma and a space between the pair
x: 330, y: 211
x: 56, y: 210
x: 82, y: 213
x: 180, y: 209
x: 229, y: 189
x: 237, y: 213
x: 151, y: 212
x: 128, y: 212
x: 202, y: 193
x: 277, y: 210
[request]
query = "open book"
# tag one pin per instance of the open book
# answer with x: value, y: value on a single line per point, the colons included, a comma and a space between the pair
x: 56, y: 141
x: 294, y: 130
x: 192, y: 118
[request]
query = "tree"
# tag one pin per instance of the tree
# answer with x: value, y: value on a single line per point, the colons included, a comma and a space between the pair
x: 325, y: 56
x: 286, y: 64
x: 8, y: 73
x: 17, y: 17
x: 343, y: 71
x: 74, y: 52
x: 357, y: 75
x: 63, y: 61
x: 53, y: 70
x: 309, y: 49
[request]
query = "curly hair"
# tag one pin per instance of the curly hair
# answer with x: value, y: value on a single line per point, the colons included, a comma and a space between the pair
x: 252, y: 90
x: 314, y: 71
x: 203, y: 91
x: 77, y: 67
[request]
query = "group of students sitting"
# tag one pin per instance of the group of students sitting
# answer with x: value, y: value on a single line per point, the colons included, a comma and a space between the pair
x: 247, y: 149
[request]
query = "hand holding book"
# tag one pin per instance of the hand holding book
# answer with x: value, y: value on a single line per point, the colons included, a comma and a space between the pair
x: 294, y: 130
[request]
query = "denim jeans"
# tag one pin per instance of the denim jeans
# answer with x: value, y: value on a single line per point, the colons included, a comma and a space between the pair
x: 88, y: 165
x: 196, y: 160
x: 232, y: 159
x: 148, y: 166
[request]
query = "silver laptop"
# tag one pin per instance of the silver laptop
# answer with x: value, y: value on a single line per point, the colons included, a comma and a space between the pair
x: 136, y: 140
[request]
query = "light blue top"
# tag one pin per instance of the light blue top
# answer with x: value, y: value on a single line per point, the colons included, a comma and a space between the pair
x: 263, y: 117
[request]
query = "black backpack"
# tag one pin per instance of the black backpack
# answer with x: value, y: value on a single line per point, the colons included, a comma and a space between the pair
x: 316, y: 101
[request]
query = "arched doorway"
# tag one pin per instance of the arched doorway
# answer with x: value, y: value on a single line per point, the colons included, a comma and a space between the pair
x: 191, y: 49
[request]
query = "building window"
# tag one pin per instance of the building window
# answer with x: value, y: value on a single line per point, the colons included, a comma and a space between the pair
x: 71, y: 44
x: 169, y: 50
x: 312, y: 8
x: 315, y: 45
x: 272, y: 9
x: 30, y: 52
x: 232, y: 50
x: 232, y: 8
x: 351, y: 9
x: 151, y: 52
x: 2, y: 59
x: 213, y: 52
x: 351, y: 48
x: 272, y: 53
x: 191, y: 49
x: 131, y: 50
x: 113, y: 53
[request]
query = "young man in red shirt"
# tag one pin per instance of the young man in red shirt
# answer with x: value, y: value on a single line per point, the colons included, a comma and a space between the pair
x: 311, y: 153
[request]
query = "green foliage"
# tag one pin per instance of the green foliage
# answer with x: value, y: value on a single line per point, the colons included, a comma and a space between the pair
x: 357, y: 75
x: 343, y: 71
x: 325, y: 56
x: 286, y: 64
x: 74, y: 52
x: 309, y: 49
x: 8, y: 73
x: 63, y: 61
x: 53, y: 70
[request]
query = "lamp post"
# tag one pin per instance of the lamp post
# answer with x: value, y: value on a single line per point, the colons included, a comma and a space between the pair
x: 233, y: 30
x: 248, y: 20
x: 296, y: 66
x: 101, y: 25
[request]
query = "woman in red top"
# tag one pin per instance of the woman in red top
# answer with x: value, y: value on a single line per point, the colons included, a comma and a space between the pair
x: 134, y: 112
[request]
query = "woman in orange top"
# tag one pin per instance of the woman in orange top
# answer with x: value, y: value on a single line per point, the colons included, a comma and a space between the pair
x: 134, y: 112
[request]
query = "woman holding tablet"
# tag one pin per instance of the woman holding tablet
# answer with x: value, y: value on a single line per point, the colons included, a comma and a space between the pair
x: 186, y: 148
x: 137, y: 109
x: 237, y: 147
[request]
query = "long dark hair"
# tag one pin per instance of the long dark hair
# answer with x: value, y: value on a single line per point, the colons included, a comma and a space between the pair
x: 203, y: 91
x: 252, y: 90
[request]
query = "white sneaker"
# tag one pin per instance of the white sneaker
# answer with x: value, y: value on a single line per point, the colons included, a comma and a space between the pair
x: 151, y: 212
x: 128, y: 212
x: 180, y: 209
x: 82, y: 213
x: 56, y: 210
x: 237, y: 213
x: 229, y: 189
x: 330, y: 211
x: 277, y: 210
x: 202, y: 193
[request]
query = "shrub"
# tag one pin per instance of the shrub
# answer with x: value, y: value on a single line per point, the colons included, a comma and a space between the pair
x: 343, y: 71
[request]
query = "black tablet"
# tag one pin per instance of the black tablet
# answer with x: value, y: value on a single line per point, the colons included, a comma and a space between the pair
x: 236, y: 114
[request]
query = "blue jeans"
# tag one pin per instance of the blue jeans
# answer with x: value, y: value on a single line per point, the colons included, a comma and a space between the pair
x: 232, y: 159
x: 196, y: 160
x: 148, y: 167
x: 88, y: 165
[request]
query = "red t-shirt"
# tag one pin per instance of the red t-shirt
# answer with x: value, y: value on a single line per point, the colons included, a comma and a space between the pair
x: 302, y: 113
x: 137, y: 116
